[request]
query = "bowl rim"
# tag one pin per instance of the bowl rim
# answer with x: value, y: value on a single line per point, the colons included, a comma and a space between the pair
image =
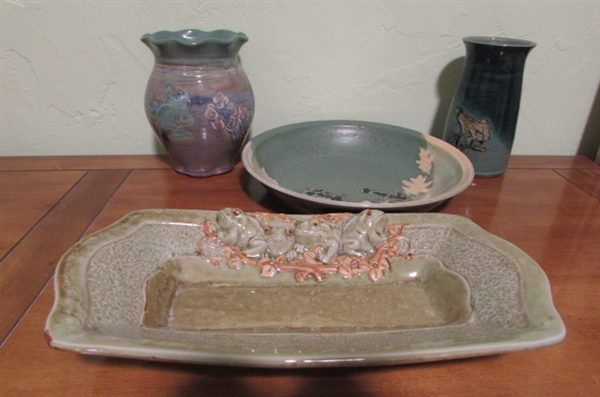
x: 468, y: 171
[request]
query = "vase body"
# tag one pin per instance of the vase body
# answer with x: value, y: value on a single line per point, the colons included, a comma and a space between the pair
x: 198, y: 99
x: 483, y: 114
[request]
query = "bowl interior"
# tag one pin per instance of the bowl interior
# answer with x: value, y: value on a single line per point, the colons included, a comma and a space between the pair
x: 356, y: 162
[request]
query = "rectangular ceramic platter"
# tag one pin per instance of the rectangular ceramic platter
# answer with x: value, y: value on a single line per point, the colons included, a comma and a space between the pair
x: 139, y: 289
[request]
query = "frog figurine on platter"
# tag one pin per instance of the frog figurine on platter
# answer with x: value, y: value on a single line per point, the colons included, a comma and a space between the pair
x: 279, y: 233
x: 239, y: 229
x: 363, y: 232
x: 319, y: 231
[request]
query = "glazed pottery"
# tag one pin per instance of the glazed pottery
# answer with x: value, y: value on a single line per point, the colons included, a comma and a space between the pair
x: 483, y: 114
x: 198, y: 98
x: 354, y: 165
x: 276, y: 290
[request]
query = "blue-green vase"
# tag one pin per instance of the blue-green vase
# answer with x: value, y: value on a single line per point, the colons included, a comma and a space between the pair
x: 483, y: 114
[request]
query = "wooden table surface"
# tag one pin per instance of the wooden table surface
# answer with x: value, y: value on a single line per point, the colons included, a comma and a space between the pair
x: 547, y: 206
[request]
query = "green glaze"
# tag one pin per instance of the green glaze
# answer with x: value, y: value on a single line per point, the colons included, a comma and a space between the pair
x: 487, y: 297
x: 351, y: 165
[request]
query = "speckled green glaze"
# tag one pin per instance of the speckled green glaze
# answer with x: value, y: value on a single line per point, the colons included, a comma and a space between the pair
x: 352, y: 165
x: 100, y: 300
x: 188, y: 295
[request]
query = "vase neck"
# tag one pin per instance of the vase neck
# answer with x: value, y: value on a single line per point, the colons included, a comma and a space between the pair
x: 494, y: 48
x: 195, y: 47
x: 500, y: 42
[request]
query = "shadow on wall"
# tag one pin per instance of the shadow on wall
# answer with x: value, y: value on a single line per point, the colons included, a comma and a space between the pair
x: 446, y: 86
x: 589, y: 145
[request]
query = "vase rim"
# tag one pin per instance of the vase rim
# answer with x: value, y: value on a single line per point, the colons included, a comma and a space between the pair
x: 195, y: 37
x: 499, y: 41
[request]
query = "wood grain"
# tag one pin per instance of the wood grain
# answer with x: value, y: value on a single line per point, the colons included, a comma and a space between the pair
x: 585, y: 179
x: 145, y: 189
x: 552, y: 162
x: 22, y: 205
x: 29, y: 266
x: 546, y: 208
x: 116, y: 162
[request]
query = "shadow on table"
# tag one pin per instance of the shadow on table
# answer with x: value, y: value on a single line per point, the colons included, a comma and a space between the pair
x: 204, y: 380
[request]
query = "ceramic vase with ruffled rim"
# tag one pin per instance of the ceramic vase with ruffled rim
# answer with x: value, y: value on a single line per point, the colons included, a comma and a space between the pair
x: 198, y: 99
x: 483, y: 114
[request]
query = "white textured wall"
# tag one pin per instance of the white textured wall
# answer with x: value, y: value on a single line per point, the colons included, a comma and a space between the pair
x: 74, y: 72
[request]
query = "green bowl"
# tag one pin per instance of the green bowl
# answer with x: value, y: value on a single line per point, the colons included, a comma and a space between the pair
x: 353, y: 165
